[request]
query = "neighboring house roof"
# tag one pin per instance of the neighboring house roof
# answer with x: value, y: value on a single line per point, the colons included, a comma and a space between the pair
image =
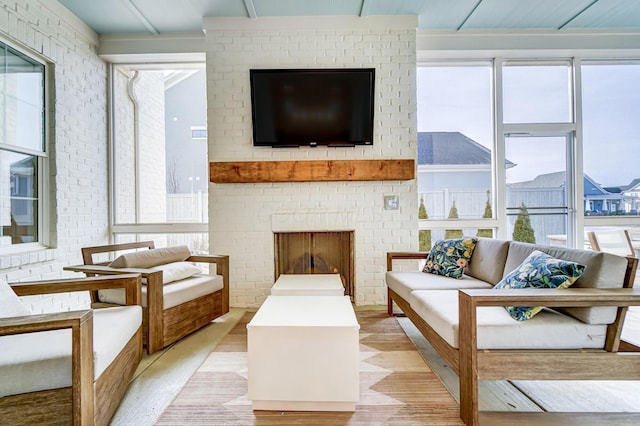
x: 548, y: 180
x: 592, y: 190
x: 451, y: 148
x: 591, y: 187
x: 635, y: 184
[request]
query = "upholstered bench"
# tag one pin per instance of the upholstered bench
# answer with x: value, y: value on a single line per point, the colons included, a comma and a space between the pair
x: 544, y: 333
x: 67, y: 367
x: 178, y: 296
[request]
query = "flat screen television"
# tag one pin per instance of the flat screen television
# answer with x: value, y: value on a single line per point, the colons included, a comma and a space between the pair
x: 310, y: 107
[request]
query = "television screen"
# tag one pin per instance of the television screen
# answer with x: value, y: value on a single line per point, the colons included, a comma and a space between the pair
x: 312, y: 107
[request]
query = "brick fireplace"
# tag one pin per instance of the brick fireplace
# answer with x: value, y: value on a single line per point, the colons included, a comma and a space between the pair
x: 315, y: 253
x: 244, y: 217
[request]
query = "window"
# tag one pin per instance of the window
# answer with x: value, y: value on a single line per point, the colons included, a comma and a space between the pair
x: 455, y: 150
x: 611, y: 107
x: 22, y: 147
x: 536, y: 92
x: 160, y: 165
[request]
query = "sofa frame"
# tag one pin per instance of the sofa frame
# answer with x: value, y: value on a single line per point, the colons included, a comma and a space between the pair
x: 162, y: 327
x: 86, y: 402
x: 472, y: 365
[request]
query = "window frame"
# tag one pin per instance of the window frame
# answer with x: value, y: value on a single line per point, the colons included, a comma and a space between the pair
x: 123, y: 229
x: 42, y: 159
x: 577, y: 222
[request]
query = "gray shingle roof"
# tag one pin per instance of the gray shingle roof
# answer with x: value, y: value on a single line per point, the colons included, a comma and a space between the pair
x: 451, y: 148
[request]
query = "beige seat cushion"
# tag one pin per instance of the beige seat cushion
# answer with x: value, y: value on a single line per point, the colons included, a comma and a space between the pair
x: 10, y: 304
x: 497, y: 330
x: 151, y: 258
x: 174, y: 293
x: 488, y: 259
x: 404, y: 282
x: 38, y: 361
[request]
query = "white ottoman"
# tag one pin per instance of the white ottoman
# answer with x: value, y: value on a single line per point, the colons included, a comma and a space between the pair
x: 308, y: 285
x: 303, y: 354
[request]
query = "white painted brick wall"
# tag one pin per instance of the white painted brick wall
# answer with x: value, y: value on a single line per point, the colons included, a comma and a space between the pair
x: 240, y: 215
x: 78, y: 142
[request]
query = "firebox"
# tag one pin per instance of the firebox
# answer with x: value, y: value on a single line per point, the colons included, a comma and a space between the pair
x: 316, y: 253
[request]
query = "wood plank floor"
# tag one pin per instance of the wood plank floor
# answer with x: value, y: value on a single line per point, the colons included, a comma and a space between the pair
x: 160, y: 377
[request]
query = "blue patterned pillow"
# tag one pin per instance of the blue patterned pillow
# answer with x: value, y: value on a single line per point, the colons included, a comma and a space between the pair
x: 539, y: 270
x: 449, y: 257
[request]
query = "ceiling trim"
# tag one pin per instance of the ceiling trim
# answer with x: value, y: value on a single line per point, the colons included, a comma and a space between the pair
x: 310, y: 23
x: 565, y: 43
x: 137, y: 48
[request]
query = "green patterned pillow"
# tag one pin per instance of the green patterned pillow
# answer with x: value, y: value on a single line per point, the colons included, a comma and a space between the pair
x: 539, y: 270
x: 449, y: 257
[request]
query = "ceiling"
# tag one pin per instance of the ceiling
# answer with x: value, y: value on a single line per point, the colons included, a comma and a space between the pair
x: 171, y: 16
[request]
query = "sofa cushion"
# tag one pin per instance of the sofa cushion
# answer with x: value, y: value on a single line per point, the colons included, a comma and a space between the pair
x: 151, y: 258
x: 450, y: 257
x: 497, y: 330
x: 487, y: 262
x: 603, y: 270
x: 176, y: 271
x: 404, y: 282
x: 38, y: 361
x: 10, y: 304
x: 539, y: 270
x: 174, y: 294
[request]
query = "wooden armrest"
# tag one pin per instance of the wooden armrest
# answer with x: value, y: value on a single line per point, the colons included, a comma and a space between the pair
x: 130, y: 282
x: 568, y: 297
x: 81, y: 325
x: 43, y: 322
x: 404, y: 255
x: 208, y: 258
x: 108, y: 270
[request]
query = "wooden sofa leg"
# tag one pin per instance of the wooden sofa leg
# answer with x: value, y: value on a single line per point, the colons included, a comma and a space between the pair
x: 468, y: 361
x: 389, y: 303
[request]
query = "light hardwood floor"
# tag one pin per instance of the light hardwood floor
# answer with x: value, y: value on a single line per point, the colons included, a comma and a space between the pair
x: 161, y: 375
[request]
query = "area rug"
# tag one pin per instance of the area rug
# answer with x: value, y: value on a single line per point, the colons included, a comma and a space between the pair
x: 396, y: 386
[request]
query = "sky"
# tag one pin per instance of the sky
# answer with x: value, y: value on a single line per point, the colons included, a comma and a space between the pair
x: 459, y: 99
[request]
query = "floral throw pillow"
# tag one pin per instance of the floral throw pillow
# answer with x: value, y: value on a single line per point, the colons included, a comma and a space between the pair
x: 539, y: 270
x: 450, y: 257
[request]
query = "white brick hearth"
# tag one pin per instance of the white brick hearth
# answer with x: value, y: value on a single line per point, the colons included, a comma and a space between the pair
x: 243, y: 217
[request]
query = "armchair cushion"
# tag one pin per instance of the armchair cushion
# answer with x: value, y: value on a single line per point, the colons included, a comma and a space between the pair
x: 10, y: 304
x: 39, y: 361
x: 174, y: 294
x: 176, y: 271
x: 539, y: 270
x: 150, y: 258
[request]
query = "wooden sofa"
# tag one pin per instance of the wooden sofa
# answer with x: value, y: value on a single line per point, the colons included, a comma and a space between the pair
x: 452, y: 314
x: 68, y: 367
x: 166, y: 318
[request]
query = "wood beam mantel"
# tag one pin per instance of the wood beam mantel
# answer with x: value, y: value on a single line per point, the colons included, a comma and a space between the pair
x: 310, y: 171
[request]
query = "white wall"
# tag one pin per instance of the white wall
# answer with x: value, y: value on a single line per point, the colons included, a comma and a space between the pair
x: 242, y: 216
x: 78, y: 141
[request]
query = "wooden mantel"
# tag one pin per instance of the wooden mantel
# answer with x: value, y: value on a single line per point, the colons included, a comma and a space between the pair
x: 311, y: 171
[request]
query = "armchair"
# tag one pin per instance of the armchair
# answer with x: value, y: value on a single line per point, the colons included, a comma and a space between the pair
x: 70, y: 367
x: 172, y: 309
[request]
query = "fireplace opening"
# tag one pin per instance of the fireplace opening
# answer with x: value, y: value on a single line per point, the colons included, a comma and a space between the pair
x: 316, y: 253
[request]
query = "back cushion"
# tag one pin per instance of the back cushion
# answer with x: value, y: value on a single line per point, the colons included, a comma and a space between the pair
x: 603, y: 270
x: 10, y: 304
x: 488, y: 259
x: 151, y: 258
